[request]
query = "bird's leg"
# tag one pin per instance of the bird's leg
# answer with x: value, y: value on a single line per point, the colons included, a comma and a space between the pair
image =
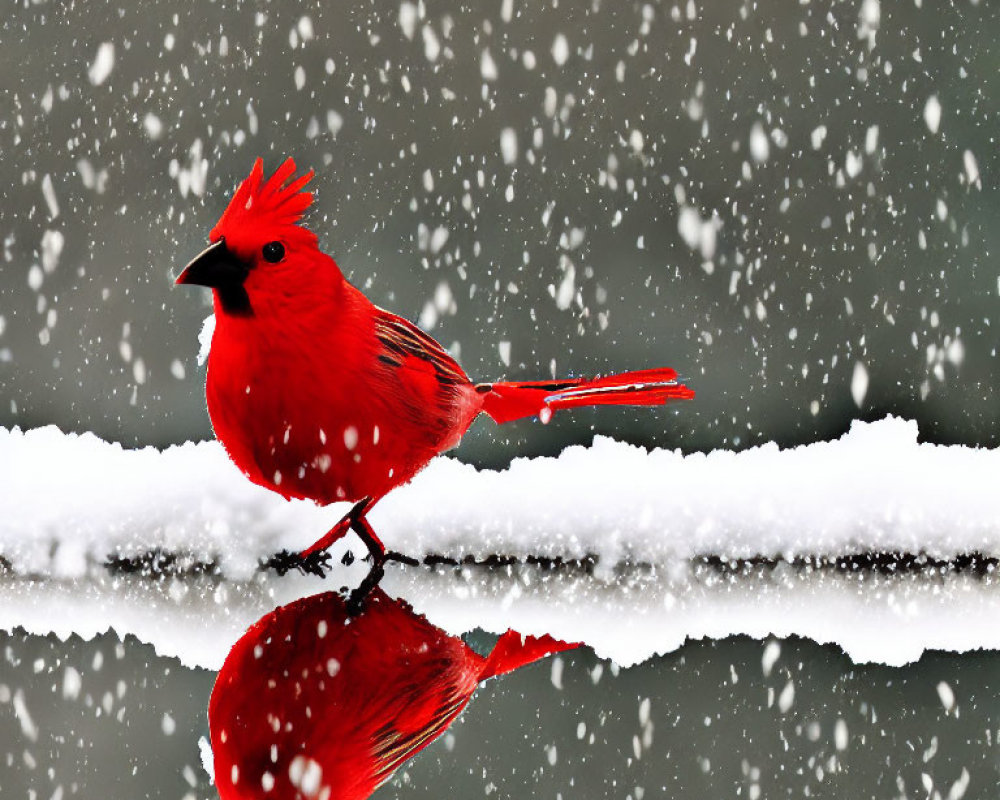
x: 356, y: 600
x: 355, y: 520
x: 363, y: 528
x: 338, y: 531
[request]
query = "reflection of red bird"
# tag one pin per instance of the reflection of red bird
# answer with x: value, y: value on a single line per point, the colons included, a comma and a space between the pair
x: 317, y: 393
x: 315, y: 703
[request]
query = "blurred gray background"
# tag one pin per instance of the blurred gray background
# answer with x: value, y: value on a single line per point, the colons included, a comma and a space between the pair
x: 790, y: 203
x: 762, y: 195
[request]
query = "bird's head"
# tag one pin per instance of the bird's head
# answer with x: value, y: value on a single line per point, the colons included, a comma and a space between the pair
x: 258, y: 246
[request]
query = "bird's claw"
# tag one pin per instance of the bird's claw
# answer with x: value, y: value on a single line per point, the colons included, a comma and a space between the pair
x: 316, y: 563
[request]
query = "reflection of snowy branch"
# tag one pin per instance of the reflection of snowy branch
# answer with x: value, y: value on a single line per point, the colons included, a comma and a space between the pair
x: 876, y: 607
x: 860, y: 564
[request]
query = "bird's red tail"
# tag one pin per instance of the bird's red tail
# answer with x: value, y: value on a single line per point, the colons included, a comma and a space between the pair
x: 648, y: 387
x: 513, y: 650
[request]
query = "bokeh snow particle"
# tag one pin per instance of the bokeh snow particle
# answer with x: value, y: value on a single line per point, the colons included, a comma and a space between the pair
x: 560, y: 49
x: 840, y: 734
x: 946, y: 695
x: 487, y: 66
x: 49, y: 193
x: 153, y: 126
x: 508, y: 145
x: 932, y: 113
x: 971, y: 169
x: 760, y: 148
x: 869, y: 19
x: 432, y: 47
x: 817, y: 137
x: 408, y: 19
x: 104, y: 62
x: 772, y: 651
x: 859, y: 383
x: 635, y: 141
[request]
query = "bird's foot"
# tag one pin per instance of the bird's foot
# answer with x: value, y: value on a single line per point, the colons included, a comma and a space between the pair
x: 316, y: 563
x: 356, y: 600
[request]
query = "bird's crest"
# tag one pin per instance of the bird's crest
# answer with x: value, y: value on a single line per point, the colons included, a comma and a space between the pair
x: 278, y: 202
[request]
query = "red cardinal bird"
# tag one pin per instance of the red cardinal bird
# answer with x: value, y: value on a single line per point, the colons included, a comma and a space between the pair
x: 313, y: 702
x: 317, y: 393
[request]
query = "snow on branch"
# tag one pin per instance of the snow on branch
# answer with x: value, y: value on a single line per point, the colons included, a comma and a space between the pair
x: 69, y: 501
x: 874, y: 541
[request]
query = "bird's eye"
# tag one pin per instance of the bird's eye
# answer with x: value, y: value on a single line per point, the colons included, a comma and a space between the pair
x: 274, y: 252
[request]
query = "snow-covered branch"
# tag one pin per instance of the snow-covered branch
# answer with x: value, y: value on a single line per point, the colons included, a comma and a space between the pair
x: 660, y: 546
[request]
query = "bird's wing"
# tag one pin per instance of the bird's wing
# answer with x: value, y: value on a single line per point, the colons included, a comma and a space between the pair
x: 403, y: 341
x: 391, y: 746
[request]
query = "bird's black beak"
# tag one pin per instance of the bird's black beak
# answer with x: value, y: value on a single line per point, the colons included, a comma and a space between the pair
x: 219, y: 268
x: 215, y: 266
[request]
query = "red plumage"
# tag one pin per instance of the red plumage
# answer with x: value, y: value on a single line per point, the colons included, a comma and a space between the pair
x: 315, y: 704
x: 317, y: 393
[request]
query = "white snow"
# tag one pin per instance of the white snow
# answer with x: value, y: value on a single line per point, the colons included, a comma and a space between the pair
x: 697, y: 233
x: 818, y: 136
x: 49, y: 193
x: 68, y: 501
x: 566, y: 290
x: 869, y: 19
x: 636, y: 141
x: 932, y: 113
x: 193, y: 177
x: 871, y: 139
x: 305, y: 28
x: 334, y: 122
x: 772, y: 652
x: 432, y: 47
x: 560, y: 49
x: 841, y: 736
x: 508, y: 145
x: 52, y: 247
x: 205, y: 338
x: 408, y: 19
x: 859, y: 383
x: 104, y: 62
x: 971, y: 169
x: 760, y: 148
x: 947, y: 695
x: 487, y: 66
